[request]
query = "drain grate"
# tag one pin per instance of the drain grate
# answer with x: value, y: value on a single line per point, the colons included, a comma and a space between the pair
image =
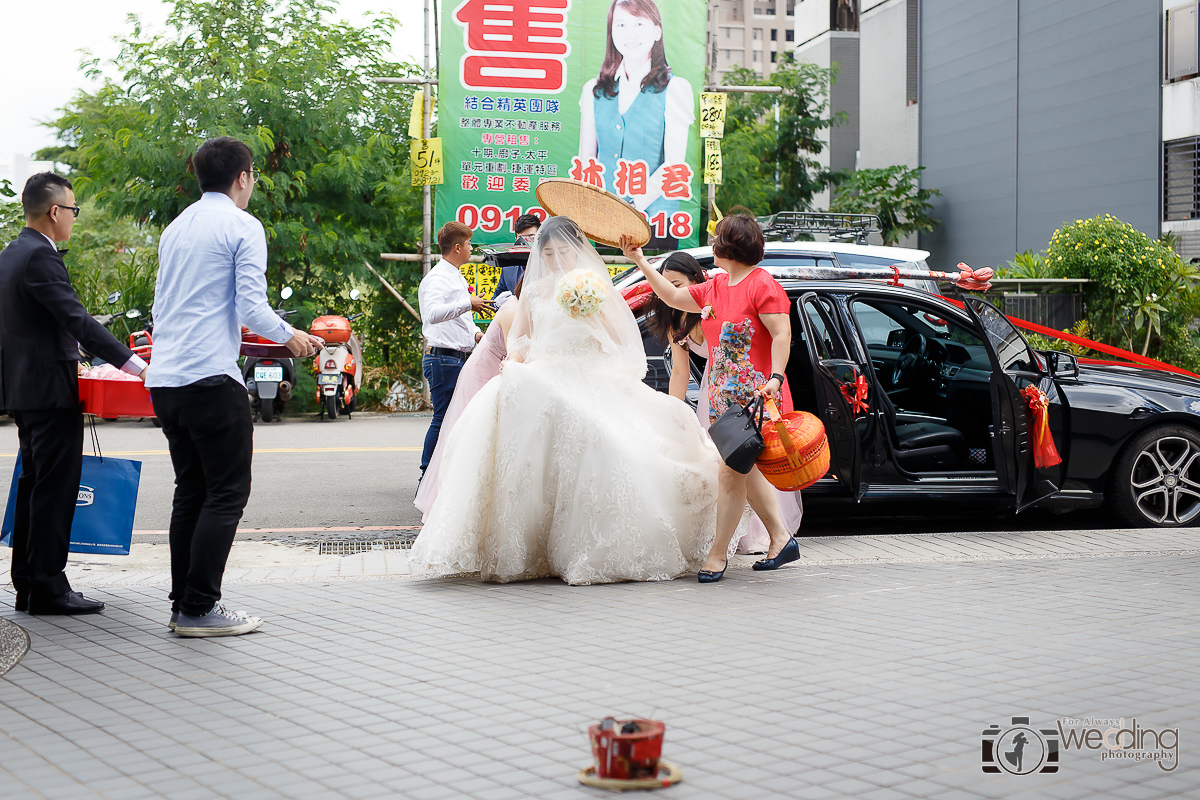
x: 349, y: 547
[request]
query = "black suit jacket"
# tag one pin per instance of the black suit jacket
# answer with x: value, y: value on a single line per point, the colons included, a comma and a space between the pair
x: 42, y: 323
x: 508, y: 279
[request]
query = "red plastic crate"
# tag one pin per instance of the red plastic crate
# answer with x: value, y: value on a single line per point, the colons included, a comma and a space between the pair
x: 110, y: 398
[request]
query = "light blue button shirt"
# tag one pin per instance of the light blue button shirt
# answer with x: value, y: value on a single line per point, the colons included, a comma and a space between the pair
x: 212, y: 279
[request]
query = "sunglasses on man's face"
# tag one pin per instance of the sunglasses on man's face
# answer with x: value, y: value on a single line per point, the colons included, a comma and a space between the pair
x: 73, y: 209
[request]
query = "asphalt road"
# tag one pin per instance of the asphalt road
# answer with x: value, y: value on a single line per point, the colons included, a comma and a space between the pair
x: 362, y: 472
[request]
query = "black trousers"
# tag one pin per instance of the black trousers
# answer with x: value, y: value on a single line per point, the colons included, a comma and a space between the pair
x: 51, y: 445
x: 211, y: 437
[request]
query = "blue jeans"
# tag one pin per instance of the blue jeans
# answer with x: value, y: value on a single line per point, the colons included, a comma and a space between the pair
x: 442, y: 374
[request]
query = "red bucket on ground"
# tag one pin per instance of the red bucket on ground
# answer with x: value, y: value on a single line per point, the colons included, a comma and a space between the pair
x: 110, y: 398
x: 627, y: 756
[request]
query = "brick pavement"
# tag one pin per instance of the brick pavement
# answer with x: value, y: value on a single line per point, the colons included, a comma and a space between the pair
x: 867, y: 676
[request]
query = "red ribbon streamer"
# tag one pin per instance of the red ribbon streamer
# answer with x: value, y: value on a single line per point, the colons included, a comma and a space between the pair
x: 1045, y: 454
x: 857, y: 400
x: 637, y: 295
x: 1033, y: 327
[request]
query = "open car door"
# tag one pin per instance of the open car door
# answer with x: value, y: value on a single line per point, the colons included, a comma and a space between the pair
x: 1014, y: 367
x: 832, y: 369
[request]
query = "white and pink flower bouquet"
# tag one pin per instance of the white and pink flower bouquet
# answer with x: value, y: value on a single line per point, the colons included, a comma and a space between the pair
x: 581, y: 293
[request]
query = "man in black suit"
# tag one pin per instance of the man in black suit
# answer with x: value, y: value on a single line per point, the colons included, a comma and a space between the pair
x: 526, y: 227
x: 42, y: 324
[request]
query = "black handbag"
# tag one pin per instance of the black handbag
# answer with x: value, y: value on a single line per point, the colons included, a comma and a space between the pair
x: 738, y: 435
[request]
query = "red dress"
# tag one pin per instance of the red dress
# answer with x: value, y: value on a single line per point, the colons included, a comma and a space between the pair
x: 739, y: 344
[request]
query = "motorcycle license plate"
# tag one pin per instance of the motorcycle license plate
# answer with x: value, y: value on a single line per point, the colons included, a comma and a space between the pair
x: 268, y: 373
x: 329, y: 380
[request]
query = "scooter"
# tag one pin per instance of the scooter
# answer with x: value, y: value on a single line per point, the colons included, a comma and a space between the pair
x: 339, y: 364
x: 269, y: 379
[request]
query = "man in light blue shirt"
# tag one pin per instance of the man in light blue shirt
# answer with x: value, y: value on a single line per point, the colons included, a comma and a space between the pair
x: 211, y: 281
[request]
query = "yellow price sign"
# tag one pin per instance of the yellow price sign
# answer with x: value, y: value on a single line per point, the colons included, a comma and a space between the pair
x: 712, y: 161
x: 712, y: 115
x: 416, y: 117
x: 425, y: 159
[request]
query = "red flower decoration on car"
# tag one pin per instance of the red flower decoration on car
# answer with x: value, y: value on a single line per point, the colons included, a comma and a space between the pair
x: 855, y: 393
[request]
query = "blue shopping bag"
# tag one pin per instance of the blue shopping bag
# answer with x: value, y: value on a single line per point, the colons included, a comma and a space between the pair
x: 104, y: 509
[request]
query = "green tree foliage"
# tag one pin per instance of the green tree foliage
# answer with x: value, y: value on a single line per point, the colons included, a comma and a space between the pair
x: 12, y: 217
x: 298, y: 88
x: 1141, y: 296
x: 771, y: 167
x: 894, y: 194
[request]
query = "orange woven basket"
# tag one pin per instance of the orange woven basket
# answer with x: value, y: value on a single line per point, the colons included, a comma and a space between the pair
x: 796, y: 452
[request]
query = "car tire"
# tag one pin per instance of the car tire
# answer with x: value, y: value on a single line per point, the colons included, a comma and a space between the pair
x: 1156, y: 479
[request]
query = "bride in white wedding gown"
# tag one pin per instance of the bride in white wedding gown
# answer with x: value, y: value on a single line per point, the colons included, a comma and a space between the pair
x: 566, y: 464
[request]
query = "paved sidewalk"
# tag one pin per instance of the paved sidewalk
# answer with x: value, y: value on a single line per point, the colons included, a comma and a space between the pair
x: 870, y: 671
x: 270, y: 562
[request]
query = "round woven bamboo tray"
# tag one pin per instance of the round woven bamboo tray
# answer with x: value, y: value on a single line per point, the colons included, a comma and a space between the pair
x: 672, y: 776
x: 601, y: 215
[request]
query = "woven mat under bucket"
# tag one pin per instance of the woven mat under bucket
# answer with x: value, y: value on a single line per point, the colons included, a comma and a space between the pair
x: 602, y: 216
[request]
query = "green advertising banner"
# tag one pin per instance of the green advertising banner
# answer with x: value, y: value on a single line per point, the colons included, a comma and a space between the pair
x: 595, y: 90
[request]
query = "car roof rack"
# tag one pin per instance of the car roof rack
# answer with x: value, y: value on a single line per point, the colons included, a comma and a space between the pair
x: 788, y: 225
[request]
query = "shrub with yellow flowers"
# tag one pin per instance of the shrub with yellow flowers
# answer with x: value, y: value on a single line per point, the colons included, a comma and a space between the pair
x: 1142, y: 294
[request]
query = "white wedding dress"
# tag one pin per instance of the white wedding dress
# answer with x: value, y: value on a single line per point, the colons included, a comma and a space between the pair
x: 566, y: 464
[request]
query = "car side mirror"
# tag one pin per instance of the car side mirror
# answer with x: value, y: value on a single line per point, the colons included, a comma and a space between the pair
x: 1062, y: 365
x: 896, y: 338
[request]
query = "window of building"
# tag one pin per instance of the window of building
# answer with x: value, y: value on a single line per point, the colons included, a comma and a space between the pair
x: 756, y: 59
x: 789, y: 35
x: 773, y: 54
x: 757, y: 34
x: 774, y: 34
x: 1181, y: 178
x: 791, y: 8
x: 843, y: 15
x: 727, y: 32
x: 1182, y: 43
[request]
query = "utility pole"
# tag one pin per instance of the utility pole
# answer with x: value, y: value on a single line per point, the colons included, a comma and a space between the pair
x: 427, y: 190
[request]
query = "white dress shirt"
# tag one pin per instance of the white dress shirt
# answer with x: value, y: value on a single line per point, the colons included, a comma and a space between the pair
x: 445, y: 303
x: 135, y: 364
x: 212, y: 279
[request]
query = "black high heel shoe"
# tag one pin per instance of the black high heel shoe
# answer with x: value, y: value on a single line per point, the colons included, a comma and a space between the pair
x: 789, y: 553
x: 712, y: 575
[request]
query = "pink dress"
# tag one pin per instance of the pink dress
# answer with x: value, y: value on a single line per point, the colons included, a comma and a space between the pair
x: 481, y: 367
x: 751, y: 534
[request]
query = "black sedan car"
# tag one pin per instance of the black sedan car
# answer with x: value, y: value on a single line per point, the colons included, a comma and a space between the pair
x: 921, y: 400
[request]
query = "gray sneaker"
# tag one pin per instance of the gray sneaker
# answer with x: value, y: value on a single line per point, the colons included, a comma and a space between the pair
x: 174, y: 620
x: 220, y: 621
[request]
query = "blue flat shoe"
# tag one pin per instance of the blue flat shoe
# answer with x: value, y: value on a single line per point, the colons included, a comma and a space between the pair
x: 789, y: 553
x: 712, y: 575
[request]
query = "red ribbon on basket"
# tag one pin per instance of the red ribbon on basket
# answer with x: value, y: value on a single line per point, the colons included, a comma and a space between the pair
x: 1045, y: 454
x: 857, y: 399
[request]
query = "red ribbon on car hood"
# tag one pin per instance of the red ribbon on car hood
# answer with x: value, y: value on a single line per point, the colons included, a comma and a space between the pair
x: 1033, y: 327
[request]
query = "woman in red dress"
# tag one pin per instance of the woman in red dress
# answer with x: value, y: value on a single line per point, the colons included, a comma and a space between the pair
x: 744, y: 316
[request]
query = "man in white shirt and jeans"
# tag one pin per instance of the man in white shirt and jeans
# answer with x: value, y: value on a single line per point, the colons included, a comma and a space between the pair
x: 211, y: 280
x: 447, y: 306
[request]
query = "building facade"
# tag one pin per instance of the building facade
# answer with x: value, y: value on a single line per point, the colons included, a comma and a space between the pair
x: 1024, y: 114
x: 749, y: 33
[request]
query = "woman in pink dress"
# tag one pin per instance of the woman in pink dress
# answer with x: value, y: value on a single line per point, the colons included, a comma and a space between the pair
x: 685, y: 335
x: 744, y: 316
x: 481, y: 367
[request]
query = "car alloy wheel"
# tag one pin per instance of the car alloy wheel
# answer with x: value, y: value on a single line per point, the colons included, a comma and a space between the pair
x: 1165, y: 481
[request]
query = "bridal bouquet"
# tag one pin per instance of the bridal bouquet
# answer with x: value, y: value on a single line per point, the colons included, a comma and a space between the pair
x: 581, y: 293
